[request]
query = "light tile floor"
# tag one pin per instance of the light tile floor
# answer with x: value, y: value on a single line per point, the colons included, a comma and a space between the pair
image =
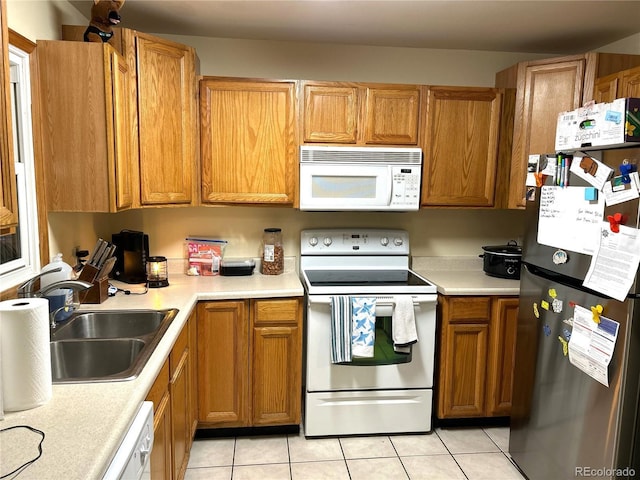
x: 446, y: 453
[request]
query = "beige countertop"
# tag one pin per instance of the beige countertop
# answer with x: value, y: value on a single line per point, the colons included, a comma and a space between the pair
x: 84, y: 423
x: 463, y: 276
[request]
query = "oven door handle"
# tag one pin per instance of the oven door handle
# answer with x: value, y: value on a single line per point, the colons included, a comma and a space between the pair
x: 381, y: 302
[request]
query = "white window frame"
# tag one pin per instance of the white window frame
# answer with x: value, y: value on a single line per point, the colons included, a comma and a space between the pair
x: 19, y: 270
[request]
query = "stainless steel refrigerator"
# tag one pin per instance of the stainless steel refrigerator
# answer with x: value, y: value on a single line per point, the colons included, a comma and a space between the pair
x: 564, y: 423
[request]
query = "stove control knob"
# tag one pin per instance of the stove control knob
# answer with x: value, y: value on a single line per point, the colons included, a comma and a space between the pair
x: 327, y: 241
x: 384, y: 241
x: 313, y: 241
x: 398, y: 241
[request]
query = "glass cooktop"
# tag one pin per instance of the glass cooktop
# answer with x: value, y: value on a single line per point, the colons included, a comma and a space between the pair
x: 377, y: 278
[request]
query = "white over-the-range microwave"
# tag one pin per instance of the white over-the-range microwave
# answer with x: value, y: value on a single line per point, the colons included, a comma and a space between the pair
x: 360, y: 178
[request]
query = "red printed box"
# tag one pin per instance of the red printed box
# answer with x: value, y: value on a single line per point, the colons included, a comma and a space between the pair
x: 203, y: 256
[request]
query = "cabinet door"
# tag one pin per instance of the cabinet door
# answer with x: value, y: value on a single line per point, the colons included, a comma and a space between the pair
x: 330, y: 113
x: 605, y: 89
x: 248, y: 142
x: 160, y: 460
x: 391, y: 115
x: 121, y: 133
x: 630, y: 83
x: 180, y: 404
x: 85, y: 127
x: 544, y: 90
x: 167, y: 128
x: 193, y: 379
x: 464, y: 343
x: 8, y: 188
x: 460, y: 144
x: 223, y: 365
x: 504, y: 321
x: 276, y: 379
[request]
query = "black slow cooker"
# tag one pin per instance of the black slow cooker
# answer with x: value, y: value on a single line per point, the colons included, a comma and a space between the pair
x: 502, y: 261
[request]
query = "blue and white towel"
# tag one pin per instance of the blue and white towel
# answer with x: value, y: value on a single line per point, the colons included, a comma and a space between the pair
x: 341, y: 325
x: 363, y: 336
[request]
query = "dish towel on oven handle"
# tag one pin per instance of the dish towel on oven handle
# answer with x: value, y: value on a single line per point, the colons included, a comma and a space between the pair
x: 363, y: 338
x: 341, y: 329
x: 403, y: 324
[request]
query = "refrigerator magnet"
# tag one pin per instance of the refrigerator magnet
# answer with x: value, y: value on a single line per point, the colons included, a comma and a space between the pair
x: 559, y: 257
x: 556, y: 305
x: 536, y: 312
x: 546, y: 329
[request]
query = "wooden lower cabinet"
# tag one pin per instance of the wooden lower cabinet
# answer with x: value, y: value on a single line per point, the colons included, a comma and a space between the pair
x: 477, y: 346
x: 161, y: 453
x: 172, y: 395
x: 249, y: 362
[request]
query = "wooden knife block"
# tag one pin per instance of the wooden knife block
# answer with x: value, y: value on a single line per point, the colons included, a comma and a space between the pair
x: 99, y: 292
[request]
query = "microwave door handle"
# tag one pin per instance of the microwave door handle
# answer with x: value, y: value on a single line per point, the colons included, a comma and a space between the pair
x: 390, y: 184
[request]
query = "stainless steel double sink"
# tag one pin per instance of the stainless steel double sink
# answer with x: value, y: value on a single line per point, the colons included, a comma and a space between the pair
x: 106, y: 346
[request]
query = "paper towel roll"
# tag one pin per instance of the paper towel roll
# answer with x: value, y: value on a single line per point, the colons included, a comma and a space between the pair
x: 25, y: 352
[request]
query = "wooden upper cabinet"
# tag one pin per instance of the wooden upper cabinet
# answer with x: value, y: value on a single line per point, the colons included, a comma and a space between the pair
x: 360, y: 114
x: 330, y: 114
x: 166, y: 122
x: 8, y: 188
x: 460, y: 144
x: 545, y: 88
x: 630, y: 83
x: 248, y: 141
x: 86, y: 127
x: 605, y: 89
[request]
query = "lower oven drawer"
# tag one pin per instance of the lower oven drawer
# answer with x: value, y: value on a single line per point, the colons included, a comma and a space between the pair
x: 358, y: 413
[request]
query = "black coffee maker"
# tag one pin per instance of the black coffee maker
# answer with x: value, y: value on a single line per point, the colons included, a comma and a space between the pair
x: 132, y: 250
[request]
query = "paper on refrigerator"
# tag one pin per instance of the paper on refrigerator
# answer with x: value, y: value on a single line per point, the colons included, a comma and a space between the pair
x: 566, y: 220
x: 592, y: 344
x: 615, y: 263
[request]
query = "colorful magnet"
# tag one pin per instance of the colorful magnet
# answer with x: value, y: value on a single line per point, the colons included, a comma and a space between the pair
x: 546, y: 329
x: 556, y: 305
x: 596, y: 311
x: 616, y: 220
x: 567, y: 334
x: 590, y: 194
x: 568, y: 321
x: 560, y: 257
x: 536, y: 312
x: 626, y: 169
x: 553, y: 293
x: 541, y: 178
x: 544, y: 304
x: 565, y: 346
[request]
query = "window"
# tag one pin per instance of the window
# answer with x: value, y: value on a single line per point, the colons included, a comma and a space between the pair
x: 19, y: 246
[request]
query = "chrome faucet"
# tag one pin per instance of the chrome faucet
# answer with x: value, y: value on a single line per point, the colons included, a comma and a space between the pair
x: 26, y: 289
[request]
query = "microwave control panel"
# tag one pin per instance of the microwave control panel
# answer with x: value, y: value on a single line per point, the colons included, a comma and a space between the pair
x: 405, y: 185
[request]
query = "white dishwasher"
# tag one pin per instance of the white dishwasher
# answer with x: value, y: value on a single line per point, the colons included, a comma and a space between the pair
x: 131, y: 461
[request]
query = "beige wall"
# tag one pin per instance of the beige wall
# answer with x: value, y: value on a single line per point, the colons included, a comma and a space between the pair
x: 433, y: 231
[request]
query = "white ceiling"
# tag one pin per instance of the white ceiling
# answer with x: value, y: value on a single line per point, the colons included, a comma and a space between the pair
x: 543, y: 26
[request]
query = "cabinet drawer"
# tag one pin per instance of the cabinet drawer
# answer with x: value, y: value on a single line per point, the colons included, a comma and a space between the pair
x: 276, y: 311
x: 468, y: 309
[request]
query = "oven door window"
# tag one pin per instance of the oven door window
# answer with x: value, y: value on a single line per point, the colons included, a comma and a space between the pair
x: 383, y: 352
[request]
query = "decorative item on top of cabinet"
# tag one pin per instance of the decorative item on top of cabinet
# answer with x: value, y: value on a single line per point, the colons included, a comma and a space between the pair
x: 8, y: 188
x: 359, y: 113
x: 545, y: 88
x: 163, y: 103
x: 86, y: 128
x: 477, y: 345
x: 249, y: 362
x: 248, y: 141
x: 460, y: 137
